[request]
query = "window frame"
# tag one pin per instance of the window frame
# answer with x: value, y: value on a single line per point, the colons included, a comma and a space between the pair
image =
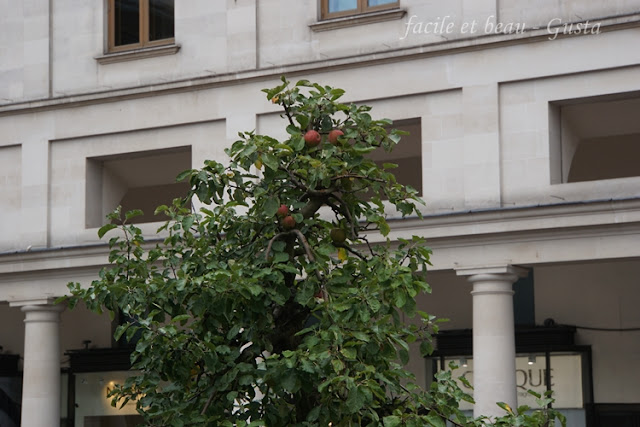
x: 143, y: 26
x: 362, y: 8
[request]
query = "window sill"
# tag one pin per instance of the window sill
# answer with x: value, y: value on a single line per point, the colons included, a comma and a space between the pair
x: 362, y: 19
x: 132, y: 55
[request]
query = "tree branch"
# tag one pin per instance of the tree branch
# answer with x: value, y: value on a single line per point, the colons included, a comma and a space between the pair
x: 307, y: 248
x: 273, y: 239
x: 294, y: 179
x: 209, y: 400
x: 288, y: 113
x: 347, y: 215
x: 350, y: 175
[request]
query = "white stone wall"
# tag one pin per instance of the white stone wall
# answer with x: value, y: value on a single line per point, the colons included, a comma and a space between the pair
x: 487, y: 134
x: 227, y: 36
x: 10, y: 194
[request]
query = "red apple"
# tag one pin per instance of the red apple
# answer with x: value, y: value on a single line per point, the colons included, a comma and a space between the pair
x: 312, y: 138
x: 334, y: 135
x: 288, y: 222
x: 282, y: 211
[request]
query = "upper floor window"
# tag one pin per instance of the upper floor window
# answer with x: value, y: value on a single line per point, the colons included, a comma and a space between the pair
x: 338, y: 8
x: 135, y: 24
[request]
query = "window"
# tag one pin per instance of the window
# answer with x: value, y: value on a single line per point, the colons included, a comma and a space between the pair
x: 135, y: 24
x: 338, y: 8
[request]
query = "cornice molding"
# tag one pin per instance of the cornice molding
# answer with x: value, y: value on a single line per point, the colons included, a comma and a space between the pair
x: 501, y: 226
x: 501, y: 221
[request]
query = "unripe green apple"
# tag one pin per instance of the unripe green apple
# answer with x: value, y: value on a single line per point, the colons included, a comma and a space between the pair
x: 338, y: 235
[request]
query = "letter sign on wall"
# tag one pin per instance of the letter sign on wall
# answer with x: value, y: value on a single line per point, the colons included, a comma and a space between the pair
x: 566, y: 379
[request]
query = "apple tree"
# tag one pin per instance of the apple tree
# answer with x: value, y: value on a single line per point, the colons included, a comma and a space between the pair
x: 281, y: 301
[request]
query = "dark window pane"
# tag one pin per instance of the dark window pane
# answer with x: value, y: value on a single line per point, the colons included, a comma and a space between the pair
x: 127, y: 22
x: 160, y: 19
x: 380, y: 2
x: 342, y: 5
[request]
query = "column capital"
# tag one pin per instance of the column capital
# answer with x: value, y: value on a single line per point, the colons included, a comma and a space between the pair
x: 42, y: 313
x: 39, y: 302
x: 494, y: 270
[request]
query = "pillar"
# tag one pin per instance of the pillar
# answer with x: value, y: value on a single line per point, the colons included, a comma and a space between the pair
x: 494, y: 350
x: 41, y: 370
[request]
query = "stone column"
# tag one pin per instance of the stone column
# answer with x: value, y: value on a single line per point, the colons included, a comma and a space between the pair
x: 41, y: 373
x: 494, y: 350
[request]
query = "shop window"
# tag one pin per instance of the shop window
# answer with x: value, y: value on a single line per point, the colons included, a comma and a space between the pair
x: 135, y: 24
x: 92, y: 375
x: 339, y: 8
x: 595, y: 139
x: 547, y: 358
x: 140, y: 180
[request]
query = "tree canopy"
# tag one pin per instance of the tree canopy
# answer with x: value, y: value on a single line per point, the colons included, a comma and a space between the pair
x: 281, y: 300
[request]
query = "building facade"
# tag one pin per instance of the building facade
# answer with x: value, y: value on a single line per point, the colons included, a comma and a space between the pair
x: 525, y: 144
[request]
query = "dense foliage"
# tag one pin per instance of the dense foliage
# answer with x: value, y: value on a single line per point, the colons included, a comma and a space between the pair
x: 269, y: 305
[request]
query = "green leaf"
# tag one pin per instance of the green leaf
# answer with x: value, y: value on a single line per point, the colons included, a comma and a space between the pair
x: 355, y: 400
x: 391, y: 421
x: 105, y: 228
x: 313, y: 414
x: 133, y: 213
x: 280, y: 257
x: 292, y: 130
x: 400, y: 299
x: 426, y: 348
x: 384, y: 227
x: 181, y: 318
x: 120, y: 330
x: 270, y: 160
x: 271, y: 206
x: 349, y: 353
x: 303, y: 120
x: 336, y: 93
x: 297, y: 142
x: 183, y: 175
x: 435, y: 420
x: 290, y: 383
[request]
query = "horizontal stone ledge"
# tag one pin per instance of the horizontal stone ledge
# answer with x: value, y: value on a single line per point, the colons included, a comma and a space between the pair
x: 360, y: 19
x: 132, y: 55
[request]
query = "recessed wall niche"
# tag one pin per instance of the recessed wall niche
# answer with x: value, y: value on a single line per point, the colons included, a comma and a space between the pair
x: 138, y: 180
